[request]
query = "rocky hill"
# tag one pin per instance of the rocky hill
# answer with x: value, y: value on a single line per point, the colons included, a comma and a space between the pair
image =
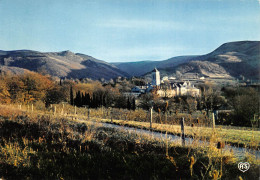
x: 229, y: 60
x: 237, y: 58
x: 59, y: 64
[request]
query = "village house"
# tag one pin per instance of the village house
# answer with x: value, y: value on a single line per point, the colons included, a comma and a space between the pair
x: 172, y: 89
x: 167, y: 88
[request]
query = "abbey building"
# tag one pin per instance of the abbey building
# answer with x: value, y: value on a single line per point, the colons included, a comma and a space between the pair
x: 169, y: 88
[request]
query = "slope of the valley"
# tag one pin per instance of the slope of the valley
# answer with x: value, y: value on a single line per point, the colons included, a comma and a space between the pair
x: 60, y: 64
x: 230, y: 60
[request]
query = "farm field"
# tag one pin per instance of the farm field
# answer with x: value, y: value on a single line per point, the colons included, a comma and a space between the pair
x: 36, y: 145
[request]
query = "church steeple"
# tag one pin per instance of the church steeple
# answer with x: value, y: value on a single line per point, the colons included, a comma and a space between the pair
x: 156, y: 77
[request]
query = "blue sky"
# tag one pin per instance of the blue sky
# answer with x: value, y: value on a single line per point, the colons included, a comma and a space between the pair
x: 127, y: 30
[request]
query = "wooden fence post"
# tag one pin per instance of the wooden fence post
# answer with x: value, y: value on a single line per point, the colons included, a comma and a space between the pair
x: 182, y: 132
x: 166, y: 138
x: 151, y: 118
x: 213, y: 120
x: 111, y: 114
x: 88, y: 113
x: 75, y: 112
x: 54, y: 110
x: 62, y: 111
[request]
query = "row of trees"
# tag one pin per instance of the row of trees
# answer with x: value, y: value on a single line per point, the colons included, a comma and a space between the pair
x: 101, y: 98
x: 24, y: 88
x: 32, y: 87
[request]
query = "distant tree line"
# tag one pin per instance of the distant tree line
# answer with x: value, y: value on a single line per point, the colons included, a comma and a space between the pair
x: 101, y: 98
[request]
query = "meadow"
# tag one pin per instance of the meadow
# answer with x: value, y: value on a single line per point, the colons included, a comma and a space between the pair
x: 197, y: 125
x: 63, y: 143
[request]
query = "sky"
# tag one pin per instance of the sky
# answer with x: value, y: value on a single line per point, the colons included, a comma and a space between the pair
x: 127, y: 30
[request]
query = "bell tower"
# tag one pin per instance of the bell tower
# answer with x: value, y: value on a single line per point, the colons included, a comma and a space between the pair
x: 155, y: 77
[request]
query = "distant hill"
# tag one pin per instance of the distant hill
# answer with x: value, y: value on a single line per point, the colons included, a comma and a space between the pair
x: 237, y: 58
x: 229, y: 60
x: 142, y: 67
x: 59, y: 64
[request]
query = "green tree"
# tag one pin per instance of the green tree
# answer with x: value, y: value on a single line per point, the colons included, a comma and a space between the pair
x: 78, y: 99
x: 133, y: 104
x: 54, y: 96
x: 246, y: 105
x: 128, y: 104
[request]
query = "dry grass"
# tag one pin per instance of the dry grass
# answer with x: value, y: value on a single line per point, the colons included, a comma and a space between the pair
x: 247, y: 138
x: 40, y: 144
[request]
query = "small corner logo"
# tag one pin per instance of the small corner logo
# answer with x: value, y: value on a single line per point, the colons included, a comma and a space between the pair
x: 243, y: 166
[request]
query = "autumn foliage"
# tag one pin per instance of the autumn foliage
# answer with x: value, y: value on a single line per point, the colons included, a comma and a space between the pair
x: 26, y: 88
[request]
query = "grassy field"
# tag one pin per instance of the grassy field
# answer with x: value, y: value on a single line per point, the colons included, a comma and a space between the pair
x: 41, y: 145
x: 246, y: 138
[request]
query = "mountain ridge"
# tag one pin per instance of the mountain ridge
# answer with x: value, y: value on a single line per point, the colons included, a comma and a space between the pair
x: 59, y: 64
x: 232, y: 58
x: 229, y: 60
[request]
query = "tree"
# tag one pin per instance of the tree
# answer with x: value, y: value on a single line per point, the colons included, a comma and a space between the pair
x: 246, y: 106
x: 35, y: 86
x: 54, y: 96
x: 124, y: 86
x: 120, y: 102
x: 133, y: 104
x: 78, y: 99
x: 86, y: 99
x: 128, y: 103
x: 211, y: 99
x: 29, y: 87
x: 138, y: 82
x: 15, y: 88
x: 4, y: 93
x: 146, y: 101
x: 71, y: 96
x: 191, y: 104
x: 94, y: 103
